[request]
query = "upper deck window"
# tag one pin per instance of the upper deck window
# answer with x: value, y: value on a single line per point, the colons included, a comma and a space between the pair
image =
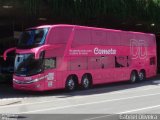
x: 81, y: 37
x: 59, y: 35
x: 32, y: 38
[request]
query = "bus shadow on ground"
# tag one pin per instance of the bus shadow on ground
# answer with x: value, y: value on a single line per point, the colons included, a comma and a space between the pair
x: 6, y: 90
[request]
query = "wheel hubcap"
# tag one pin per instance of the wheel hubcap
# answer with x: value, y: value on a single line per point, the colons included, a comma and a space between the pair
x: 133, y: 78
x: 141, y: 76
x: 71, y: 84
x: 85, y: 82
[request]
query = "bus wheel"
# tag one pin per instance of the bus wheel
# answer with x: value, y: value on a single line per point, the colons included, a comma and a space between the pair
x: 142, y: 75
x: 86, y: 82
x: 70, y: 83
x: 133, y: 77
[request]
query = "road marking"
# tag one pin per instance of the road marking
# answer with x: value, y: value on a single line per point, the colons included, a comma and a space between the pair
x: 78, y: 97
x: 125, y: 112
x: 90, y: 103
x: 93, y: 118
x: 139, y: 109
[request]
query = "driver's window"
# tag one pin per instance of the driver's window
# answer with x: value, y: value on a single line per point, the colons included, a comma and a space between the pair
x: 50, y: 63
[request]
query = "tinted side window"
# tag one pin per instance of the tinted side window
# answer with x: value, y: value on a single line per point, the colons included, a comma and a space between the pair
x: 59, y: 35
x: 81, y: 37
x: 50, y: 63
x: 152, y: 61
x: 98, y: 37
x: 122, y: 61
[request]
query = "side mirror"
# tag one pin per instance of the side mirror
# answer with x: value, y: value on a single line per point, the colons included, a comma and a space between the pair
x: 7, y: 51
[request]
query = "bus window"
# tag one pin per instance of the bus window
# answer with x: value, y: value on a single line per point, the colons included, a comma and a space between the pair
x: 26, y: 65
x: 50, y: 63
x: 122, y: 61
x: 59, y: 35
x: 32, y: 38
x: 98, y: 37
x: 81, y: 37
x: 152, y: 61
x: 38, y: 36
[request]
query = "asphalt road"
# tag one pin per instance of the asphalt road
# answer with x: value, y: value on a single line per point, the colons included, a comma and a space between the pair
x: 107, y: 102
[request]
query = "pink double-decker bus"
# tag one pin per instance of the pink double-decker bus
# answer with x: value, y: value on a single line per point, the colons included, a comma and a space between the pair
x: 68, y: 56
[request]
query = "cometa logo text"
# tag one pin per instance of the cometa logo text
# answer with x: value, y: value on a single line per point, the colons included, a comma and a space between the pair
x: 104, y: 51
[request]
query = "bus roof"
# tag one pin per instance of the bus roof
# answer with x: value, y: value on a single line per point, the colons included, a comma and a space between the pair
x: 86, y: 27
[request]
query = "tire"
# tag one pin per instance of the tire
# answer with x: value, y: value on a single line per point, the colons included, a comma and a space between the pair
x: 142, y: 76
x: 133, y: 77
x: 70, y: 84
x: 86, y: 82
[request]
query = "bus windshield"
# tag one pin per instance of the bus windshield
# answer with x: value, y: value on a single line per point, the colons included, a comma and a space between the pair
x: 32, y: 38
x: 26, y: 65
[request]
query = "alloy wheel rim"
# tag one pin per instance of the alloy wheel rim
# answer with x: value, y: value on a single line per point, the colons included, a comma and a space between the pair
x: 133, y: 78
x: 71, y: 84
x: 85, y: 82
x: 141, y: 76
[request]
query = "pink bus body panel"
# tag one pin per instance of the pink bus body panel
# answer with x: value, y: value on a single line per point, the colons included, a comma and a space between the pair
x: 108, y: 55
